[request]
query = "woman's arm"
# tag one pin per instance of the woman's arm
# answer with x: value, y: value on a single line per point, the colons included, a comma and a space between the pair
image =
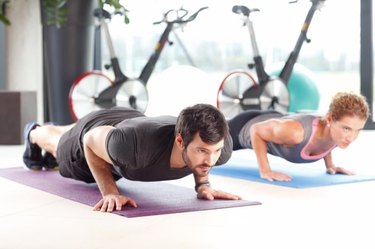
x: 332, y: 169
x: 279, y: 131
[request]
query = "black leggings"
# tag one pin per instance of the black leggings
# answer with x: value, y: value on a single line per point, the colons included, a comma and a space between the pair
x: 238, y: 122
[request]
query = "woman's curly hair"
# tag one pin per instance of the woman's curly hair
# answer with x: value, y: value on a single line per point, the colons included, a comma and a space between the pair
x: 348, y: 104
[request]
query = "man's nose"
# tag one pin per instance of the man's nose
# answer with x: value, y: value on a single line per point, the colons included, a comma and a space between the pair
x: 210, y: 159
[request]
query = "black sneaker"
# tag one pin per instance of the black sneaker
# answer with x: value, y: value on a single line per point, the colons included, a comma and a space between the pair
x: 50, y: 162
x: 32, y: 157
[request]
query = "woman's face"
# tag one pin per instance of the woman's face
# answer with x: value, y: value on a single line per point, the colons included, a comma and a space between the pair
x: 345, y: 130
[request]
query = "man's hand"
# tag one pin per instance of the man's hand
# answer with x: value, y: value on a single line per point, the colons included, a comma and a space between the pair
x: 275, y: 176
x: 205, y: 192
x: 113, y: 202
x: 339, y: 170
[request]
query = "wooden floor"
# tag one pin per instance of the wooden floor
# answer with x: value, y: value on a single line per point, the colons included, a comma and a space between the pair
x: 341, y: 216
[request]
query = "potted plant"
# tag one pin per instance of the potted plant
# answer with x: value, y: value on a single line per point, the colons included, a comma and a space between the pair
x: 68, y: 34
x: 3, y: 18
x: 56, y: 12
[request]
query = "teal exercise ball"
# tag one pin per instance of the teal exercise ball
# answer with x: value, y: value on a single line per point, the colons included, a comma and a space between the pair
x: 304, y: 94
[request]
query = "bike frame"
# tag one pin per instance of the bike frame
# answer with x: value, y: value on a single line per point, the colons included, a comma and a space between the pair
x: 240, y: 91
x: 286, y: 71
x: 288, y: 67
x: 150, y: 65
x: 105, y: 97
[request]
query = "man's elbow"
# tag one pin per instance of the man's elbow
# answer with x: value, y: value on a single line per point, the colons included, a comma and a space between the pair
x: 87, y: 138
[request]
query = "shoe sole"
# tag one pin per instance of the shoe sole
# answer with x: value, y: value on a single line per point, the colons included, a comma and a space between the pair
x: 28, y: 128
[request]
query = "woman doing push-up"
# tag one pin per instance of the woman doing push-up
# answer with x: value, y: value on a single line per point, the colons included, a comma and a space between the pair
x: 300, y: 138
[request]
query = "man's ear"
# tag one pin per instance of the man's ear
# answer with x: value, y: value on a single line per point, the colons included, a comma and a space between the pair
x: 179, y: 141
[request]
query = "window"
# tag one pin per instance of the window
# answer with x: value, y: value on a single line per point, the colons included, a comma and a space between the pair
x: 217, y: 43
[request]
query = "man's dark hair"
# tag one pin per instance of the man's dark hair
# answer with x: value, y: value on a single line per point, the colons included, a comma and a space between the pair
x: 205, y: 119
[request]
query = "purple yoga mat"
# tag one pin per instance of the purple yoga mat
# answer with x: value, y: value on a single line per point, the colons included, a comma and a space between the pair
x: 153, y: 198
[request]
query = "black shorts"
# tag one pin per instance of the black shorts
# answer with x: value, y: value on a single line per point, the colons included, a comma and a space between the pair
x: 71, y: 160
x: 239, y: 121
x: 70, y: 154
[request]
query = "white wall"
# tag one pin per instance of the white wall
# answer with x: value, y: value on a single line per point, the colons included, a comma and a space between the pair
x: 24, y: 49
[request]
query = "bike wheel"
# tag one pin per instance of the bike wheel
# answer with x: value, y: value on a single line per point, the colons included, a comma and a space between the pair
x: 84, y: 91
x: 231, y: 92
x: 133, y: 94
x: 275, y: 96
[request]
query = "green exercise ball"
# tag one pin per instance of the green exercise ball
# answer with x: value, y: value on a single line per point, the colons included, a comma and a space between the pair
x: 304, y: 95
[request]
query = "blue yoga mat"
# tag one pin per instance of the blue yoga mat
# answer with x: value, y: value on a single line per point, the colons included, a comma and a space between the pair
x: 304, y: 175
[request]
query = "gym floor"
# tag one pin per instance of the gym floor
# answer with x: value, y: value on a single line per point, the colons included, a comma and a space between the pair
x: 339, y: 216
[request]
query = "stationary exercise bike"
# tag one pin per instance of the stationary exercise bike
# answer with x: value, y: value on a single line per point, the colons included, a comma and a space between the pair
x: 239, y: 91
x: 94, y: 90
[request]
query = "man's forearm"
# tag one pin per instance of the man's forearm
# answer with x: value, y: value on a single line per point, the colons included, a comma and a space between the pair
x: 102, y: 172
x: 104, y: 178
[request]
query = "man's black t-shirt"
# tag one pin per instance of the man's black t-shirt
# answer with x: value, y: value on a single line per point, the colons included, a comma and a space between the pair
x: 140, y: 149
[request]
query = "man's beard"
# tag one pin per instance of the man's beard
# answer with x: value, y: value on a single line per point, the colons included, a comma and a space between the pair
x: 190, y: 165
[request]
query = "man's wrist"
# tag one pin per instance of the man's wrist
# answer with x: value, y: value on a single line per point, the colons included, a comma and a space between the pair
x: 199, y: 184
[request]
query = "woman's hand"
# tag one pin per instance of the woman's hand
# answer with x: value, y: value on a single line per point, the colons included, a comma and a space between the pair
x: 275, y: 176
x: 339, y: 170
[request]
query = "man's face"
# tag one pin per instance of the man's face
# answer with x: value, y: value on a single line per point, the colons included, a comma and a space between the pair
x: 200, y: 157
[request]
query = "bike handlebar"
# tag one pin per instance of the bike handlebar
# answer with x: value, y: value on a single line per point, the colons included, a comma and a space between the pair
x: 314, y: 1
x: 241, y: 9
x: 181, y: 13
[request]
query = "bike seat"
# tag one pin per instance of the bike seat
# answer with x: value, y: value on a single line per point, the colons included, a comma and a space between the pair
x: 240, y: 9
